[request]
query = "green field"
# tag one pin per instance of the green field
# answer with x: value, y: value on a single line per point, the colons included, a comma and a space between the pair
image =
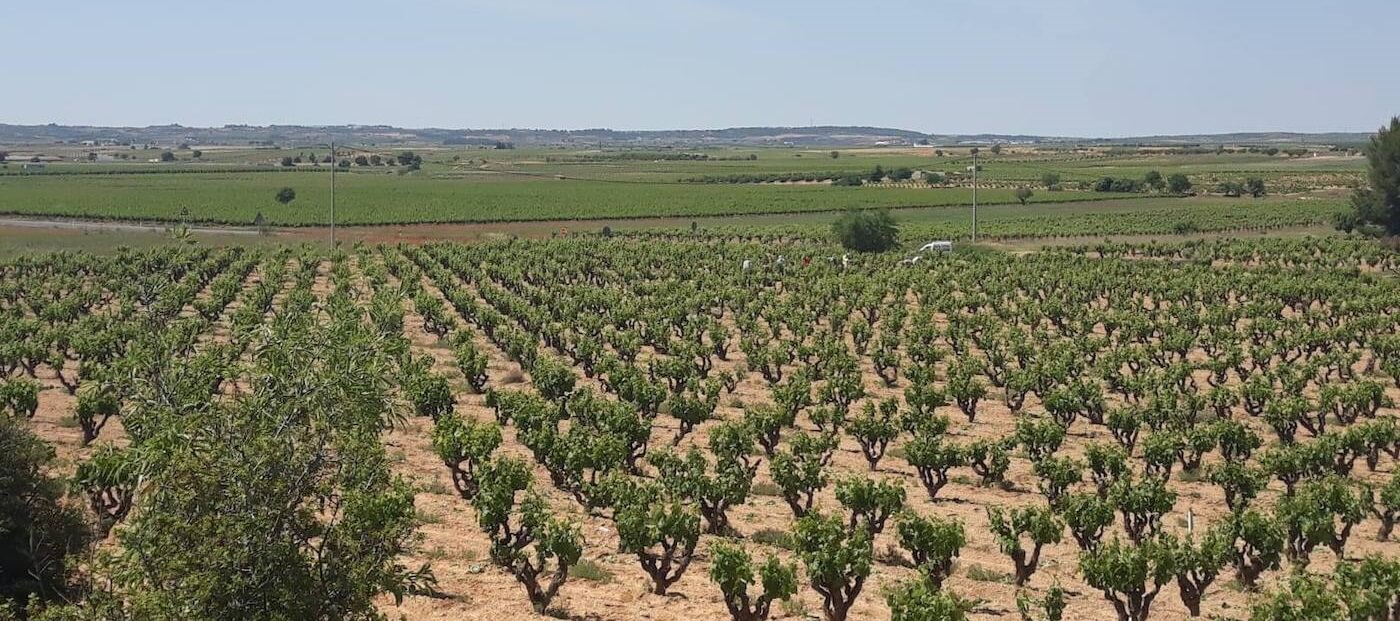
x: 1150, y: 216
x: 367, y: 198
x: 232, y: 186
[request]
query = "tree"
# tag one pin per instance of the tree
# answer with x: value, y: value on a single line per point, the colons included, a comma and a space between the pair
x: 1024, y: 194
x: 109, y: 479
x: 1195, y: 564
x: 167, y: 156
x: 996, y: 149
x: 278, y: 503
x: 197, y: 154
x: 835, y: 154
x: 361, y: 160
x: 933, y: 542
x: 874, y: 429
x: 1178, y: 183
x: 731, y: 568
x: 1051, y: 181
x: 801, y: 472
x: 526, y: 539
x: 1378, y: 204
x: 1153, y: 179
x: 866, y: 230
x: 917, y: 601
x: 1129, y: 575
x: 662, y: 534
x: 838, y: 561
x: 464, y: 445
x: 1087, y: 516
x: 287, y: 162
x: 1038, y: 525
x: 870, y: 502
x: 1255, y: 187
x: 40, y: 536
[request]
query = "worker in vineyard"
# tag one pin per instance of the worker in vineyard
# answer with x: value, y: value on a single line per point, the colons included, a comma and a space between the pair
x: 748, y: 264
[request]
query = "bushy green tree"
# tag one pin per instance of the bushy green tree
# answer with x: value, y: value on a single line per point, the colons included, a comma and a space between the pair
x: 838, y: 561
x: 800, y: 472
x: 1023, y: 527
x: 1129, y: 575
x: 1178, y: 183
x: 40, y: 536
x: 1196, y: 563
x: 731, y: 568
x: 917, y: 601
x: 464, y: 445
x: 933, y: 542
x: 866, y: 230
x: 663, y: 535
x: 870, y: 502
x: 1378, y: 204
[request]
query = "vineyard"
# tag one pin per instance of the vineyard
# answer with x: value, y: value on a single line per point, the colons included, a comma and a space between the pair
x: 715, y: 426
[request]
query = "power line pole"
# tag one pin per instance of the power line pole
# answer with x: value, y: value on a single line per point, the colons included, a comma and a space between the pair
x: 334, y: 164
x: 974, y: 195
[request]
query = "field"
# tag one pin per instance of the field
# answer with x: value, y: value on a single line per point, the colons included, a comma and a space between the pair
x: 364, y: 199
x: 1018, y: 422
x: 232, y: 186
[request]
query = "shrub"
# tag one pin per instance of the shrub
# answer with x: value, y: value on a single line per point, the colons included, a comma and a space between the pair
x: 526, y: 540
x: 800, y: 471
x: 838, y: 561
x: 20, y: 396
x: 464, y: 445
x: 870, y: 502
x: 866, y: 230
x: 663, y: 535
x: 874, y: 429
x: 731, y: 568
x: 39, y: 535
x: 1130, y: 576
x: 1038, y: 526
x: 917, y: 601
x: 1087, y: 516
x: 1195, y: 564
x: 932, y: 457
x: 933, y: 542
x: 108, y: 478
x: 1142, y: 503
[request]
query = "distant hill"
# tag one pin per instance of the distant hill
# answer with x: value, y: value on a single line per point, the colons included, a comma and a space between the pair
x: 385, y: 135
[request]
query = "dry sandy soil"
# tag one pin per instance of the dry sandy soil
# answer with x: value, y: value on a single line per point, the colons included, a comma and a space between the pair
x: 473, y: 589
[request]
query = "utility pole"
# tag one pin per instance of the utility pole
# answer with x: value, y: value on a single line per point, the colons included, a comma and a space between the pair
x: 334, y: 164
x: 974, y: 195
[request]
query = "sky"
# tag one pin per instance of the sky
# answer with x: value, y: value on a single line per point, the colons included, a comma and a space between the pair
x: 1090, y: 68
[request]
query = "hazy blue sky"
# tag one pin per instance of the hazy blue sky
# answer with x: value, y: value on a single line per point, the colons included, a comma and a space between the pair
x: 1063, y: 67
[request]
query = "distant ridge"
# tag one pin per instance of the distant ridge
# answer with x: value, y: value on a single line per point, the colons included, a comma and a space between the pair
x: 385, y: 135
